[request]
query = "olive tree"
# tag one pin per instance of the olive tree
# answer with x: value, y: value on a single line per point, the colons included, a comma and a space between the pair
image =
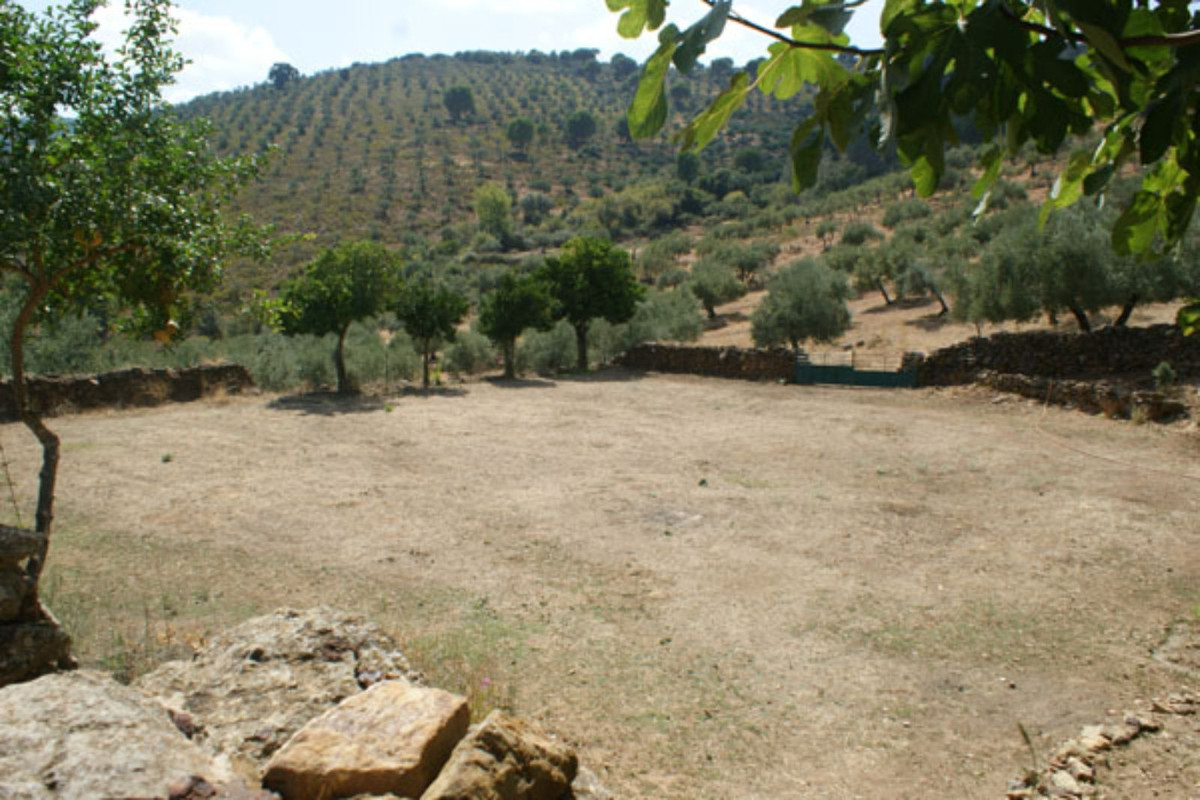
x: 805, y: 300
x: 1022, y: 71
x: 105, y: 192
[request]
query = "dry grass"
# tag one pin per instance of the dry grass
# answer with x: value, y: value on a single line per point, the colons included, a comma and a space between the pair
x: 714, y: 589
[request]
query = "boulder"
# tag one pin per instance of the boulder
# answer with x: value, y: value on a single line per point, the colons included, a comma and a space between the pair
x: 392, y: 738
x: 251, y: 688
x: 31, y: 649
x: 587, y: 786
x: 504, y: 758
x: 14, y: 587
x: 82, y: 734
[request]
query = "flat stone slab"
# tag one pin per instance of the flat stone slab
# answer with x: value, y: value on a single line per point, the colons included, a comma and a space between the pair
x: 393, y: 738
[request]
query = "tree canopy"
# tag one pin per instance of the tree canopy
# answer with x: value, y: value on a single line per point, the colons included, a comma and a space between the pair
x: 805, y: 300
x: 106, y: 196
x: 344, y: 284
x: 281, y: 74
x: 518, y: 302
x: 459, y: 101
x: 591, y: 279
x: 430, y: 314
x: 1021, y: 71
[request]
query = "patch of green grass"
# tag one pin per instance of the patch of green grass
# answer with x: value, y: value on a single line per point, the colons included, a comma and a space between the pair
x: 473, y: 657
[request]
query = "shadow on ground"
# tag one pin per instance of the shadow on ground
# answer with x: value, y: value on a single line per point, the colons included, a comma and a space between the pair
x: 603, y: 375
x: 520, y: 383
x: 900, y: 304
x: 328, y: 404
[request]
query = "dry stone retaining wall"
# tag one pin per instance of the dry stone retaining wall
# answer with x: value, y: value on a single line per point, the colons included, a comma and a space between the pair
x: 1079, y: 356
x: 718, y: 362
x: 53, y: 394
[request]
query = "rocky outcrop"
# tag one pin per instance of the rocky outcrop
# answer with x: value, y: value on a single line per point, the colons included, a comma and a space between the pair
x: 313, y: 704
x: 51, y: 395
x: 31, y: 641
x: 718, y: 362
x: 504, y: 758
x: 393, y: 738
x: 251, y: 688
x: 82, y: 734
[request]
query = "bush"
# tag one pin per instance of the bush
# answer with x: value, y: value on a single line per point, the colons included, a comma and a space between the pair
x: 859, y: 232
x: 905, y: 210
x: 469, y: 353
x: 549, y: 352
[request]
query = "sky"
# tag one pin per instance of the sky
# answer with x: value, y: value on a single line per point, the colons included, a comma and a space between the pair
x: 233, y: 43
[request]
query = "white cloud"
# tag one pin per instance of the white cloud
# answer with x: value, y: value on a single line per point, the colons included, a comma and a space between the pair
x: 222, y: 53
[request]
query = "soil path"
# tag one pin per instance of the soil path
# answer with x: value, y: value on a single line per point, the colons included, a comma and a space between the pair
x: 715, y: 589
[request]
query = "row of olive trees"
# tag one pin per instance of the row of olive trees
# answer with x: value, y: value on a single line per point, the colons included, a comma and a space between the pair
x: 590, y: 279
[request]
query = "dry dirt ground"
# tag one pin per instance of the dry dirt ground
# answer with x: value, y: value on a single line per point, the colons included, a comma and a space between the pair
x: 714, y: 589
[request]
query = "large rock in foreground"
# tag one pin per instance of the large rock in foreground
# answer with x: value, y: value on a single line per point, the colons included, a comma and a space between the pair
x: 504, y: 758
x: 391, y: 739
x: 249, y: 690
x: 82, y: 734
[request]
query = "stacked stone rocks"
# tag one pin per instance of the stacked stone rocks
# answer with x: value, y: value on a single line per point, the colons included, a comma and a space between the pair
x: 31, y: 642
x: 52, y: 395
x: 718, y: 362
x: 313, y: 704
x: 1104, y: 353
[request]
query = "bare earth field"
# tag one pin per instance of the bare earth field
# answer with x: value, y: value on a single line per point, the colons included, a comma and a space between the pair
x: 714, y: 589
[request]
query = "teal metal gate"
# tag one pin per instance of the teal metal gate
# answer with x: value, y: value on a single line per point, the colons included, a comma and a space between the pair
x: 808, y: 373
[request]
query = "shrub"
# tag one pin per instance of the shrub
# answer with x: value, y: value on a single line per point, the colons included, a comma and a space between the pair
x: 859, y: 232
x: 471, y: 352
x: 905, y: 210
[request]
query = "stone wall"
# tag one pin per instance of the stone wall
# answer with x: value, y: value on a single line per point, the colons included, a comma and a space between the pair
x: 52, y: 395
x: 31, y: 642
x: 1113, y: 400
x: 1121, y: 352
x: 718, y: 362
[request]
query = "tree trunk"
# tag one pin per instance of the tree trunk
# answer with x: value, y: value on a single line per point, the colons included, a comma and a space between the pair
x: 48, y: 477
x: 941, y: 300
x: 711, y: 309
x: 425, y: 365
x: 510, y: 367
x: 581, y: 354
x: 1081, y: 317
x: 883, y: 291
x: 1126, y: 312
x: 339, y: 362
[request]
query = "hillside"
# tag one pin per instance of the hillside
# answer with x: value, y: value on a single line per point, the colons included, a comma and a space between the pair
x: 371, y: 151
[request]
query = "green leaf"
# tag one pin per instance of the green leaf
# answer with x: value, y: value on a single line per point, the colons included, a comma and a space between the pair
x: 1067, y: 189
x: 1159, y: 129
x: 641, y: 15
x: 648, y: 111
x: 1188, y: 318
x: 1107, y: 44
x: 1134, y: 230
x: 695, y: 39
x: 991, y: 161
x: 791, y: 68
x: 703, y: 128
x: 894, y: 9
x: 830, y: 15
x: 805, y: 151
